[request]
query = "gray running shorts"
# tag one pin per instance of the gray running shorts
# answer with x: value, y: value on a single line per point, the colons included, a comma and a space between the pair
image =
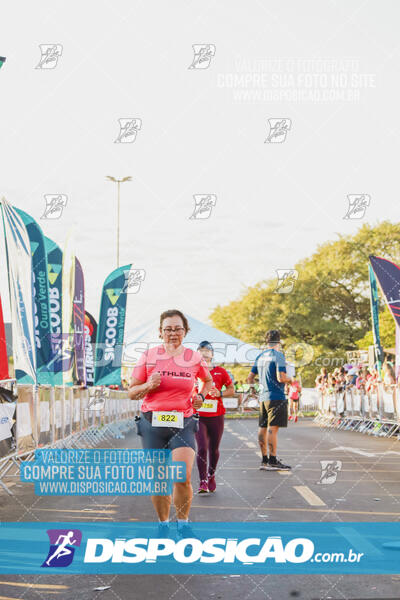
x: 167, y: 438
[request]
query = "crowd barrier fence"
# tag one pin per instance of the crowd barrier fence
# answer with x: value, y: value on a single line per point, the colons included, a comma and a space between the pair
x: 59, y: 417
x: 376, y: 412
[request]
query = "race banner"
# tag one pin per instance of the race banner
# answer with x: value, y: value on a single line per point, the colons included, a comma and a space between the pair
x: 44, y: 349
x: 67, y: 297
x: 90, y: 346
x: 20, y: 281
x: 375, y: 318
x: 110, y: 331
x: 4, y: 373
x: 54, y: 270
x: 79, y: 323
x: 388, y: 276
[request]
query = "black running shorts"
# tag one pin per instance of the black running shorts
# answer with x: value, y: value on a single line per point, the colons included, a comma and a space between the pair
x: 273, y: 413
x: 167, y: 438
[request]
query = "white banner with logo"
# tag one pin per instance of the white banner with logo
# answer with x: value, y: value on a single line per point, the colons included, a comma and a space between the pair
x: 20, y: 278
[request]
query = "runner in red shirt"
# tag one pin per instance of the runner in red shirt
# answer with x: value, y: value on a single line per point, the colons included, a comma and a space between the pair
x: 294, y: 397
x: 211, y: 425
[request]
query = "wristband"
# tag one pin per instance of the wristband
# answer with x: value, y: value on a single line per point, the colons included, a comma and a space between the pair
x: 221, y: 394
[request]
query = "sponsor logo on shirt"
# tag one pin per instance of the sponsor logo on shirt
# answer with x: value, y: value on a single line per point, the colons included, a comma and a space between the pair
x: 175, y: 374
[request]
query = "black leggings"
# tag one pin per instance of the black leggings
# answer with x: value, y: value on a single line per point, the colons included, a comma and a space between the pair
x: 208, y: 439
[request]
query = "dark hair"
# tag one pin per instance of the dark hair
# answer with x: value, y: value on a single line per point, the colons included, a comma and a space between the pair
x: 207, y: 345
x: 273, y: 336
x: 174, y: 313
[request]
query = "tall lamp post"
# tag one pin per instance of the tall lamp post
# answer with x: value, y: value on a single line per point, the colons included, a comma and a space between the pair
x: 118, y: 182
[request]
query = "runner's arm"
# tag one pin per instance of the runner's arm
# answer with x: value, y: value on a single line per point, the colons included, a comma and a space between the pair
x: 229, y: 391
x: 251, y: 378
x: 229, y: 386
x: 283, y: 377
x: 138, y: 389
x: 253, y: 372
x: 281, y: 374
x: 205, y: 385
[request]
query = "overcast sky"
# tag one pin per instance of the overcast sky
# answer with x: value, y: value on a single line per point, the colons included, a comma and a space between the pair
x: 203, y: 131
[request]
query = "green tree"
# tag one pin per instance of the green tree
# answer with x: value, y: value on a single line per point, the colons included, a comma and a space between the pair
x: 329, y: 307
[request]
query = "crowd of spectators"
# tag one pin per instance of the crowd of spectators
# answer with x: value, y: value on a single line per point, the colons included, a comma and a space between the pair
x: 359, y: 378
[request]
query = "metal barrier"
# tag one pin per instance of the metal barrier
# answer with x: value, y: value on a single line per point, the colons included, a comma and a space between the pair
x: 376, y: 412
x: 26, y: 419
x: 45, y: 399
x: 7, y: 422
x: 60, y: 417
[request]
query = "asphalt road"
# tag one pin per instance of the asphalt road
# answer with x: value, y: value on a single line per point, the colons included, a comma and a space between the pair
x: 367, y: 488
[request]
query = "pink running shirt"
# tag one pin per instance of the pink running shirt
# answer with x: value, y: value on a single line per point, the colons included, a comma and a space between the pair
x: 178, y: 376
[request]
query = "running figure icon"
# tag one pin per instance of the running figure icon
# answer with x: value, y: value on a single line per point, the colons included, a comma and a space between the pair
x: 61, y: 552
x: 62, y: 549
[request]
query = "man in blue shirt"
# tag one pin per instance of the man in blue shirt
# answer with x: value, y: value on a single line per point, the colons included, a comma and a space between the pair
x: 270, y: 366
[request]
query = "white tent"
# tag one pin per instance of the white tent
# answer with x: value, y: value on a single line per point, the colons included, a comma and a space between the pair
x: 227, y: 349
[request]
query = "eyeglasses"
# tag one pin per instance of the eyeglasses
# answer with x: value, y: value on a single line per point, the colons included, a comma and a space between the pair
x: 173, y: 330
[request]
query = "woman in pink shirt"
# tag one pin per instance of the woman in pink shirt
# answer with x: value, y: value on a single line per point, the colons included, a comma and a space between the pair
x: 165, y: 376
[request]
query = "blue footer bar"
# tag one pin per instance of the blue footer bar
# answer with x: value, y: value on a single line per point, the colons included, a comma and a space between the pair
x: 208, y: 548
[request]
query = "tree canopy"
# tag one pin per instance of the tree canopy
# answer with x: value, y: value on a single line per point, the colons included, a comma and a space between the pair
x: 329, y: 307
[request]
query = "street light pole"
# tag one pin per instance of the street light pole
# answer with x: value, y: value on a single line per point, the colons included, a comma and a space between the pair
x: 118, y: 182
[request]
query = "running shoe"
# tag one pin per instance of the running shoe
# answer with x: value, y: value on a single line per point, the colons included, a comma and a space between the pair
x: 276, y: 466
x: 295, y: 419
x: 212, y: 485
x: 185, y: 531
x: 263, y: 466
x: 203, y: 487
x: 163, y: 530
x: 290, y: 418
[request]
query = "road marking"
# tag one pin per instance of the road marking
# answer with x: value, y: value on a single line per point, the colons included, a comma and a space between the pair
x: 75, y: 510
x: 298, y: 468
x: 356, y: 493
x: 94, y: 517
x: 87, y: 516
x: 389, y: 452
x: 107, y: 505
x: 38, y: 586
x: 309, y: 495
x: 289, y: 453
x: 14, y: 598
x: 365, y: 453
x: 251, y: 445
x: 308, y: 510
x: 354, y: 450
x: 242, y: 438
